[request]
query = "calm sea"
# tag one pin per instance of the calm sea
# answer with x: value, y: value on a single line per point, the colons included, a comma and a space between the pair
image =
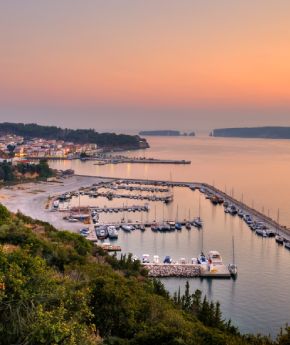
x: 256, y: 171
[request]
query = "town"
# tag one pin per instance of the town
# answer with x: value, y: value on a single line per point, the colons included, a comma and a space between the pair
x: 16, y: 148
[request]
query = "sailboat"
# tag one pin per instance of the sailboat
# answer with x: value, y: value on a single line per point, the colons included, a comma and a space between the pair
x: 233, y: 268
x: 178, y: 226
x: 187, y: 224
x: 197, y: 222
x: 278, y: 238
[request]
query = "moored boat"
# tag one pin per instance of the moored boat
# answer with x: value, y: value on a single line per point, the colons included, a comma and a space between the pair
x: 279, y: 239
x: 112, y: 232
x: 197, y: 222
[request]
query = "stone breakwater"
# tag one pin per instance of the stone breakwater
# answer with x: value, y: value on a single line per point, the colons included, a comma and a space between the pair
x: 173, y: 270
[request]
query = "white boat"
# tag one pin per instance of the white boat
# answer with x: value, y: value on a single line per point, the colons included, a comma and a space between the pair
x: 287, y: 245
x: 201, y: 259
x: 156, y: 259
x: 56, y: 203
x: 127, y: 228
x: 112, y: 232
x: 145, y: 258
x: 261, y: 232
x: 279, y: 239
x: 182, y: 261
x: 214, y: 257
x: 72, y: 220
x: 233, y: 268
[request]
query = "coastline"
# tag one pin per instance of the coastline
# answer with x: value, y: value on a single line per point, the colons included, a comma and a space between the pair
x: 30, y: 198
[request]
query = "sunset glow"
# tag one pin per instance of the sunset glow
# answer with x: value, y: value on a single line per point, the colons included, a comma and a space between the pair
x: 191, y: 54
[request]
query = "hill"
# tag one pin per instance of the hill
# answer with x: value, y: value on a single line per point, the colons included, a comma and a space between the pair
x: 253, y: 132
x: 78, y: 136
x: 58, y: 288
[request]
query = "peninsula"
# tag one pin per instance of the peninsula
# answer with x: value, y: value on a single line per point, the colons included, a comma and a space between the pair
x: 109, y: 141
x: 253, y: 132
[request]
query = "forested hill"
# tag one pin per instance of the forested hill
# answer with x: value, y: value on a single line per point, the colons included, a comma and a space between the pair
x: 79, y: 136
x: 253, y: 132
x: 58, y: 288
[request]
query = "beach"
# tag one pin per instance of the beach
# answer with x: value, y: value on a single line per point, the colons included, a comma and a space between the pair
x: 31, y: 199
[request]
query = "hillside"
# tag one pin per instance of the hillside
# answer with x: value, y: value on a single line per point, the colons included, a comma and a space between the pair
x: 78, y: 136
x: 253, y: 132
x: 58, y: 288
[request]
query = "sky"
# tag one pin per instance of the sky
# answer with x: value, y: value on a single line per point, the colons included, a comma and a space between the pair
x: 154, y: 64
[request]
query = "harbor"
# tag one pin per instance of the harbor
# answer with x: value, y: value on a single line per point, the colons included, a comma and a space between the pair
x: 189, y: 199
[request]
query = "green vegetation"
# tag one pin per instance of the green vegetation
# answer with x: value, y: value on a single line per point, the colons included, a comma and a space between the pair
x: 58, y: 288
x: 11, y: 173
x: 78, y: 136
x: 253, y: 132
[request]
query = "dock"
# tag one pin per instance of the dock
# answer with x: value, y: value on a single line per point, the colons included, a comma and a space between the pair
x: 110, y: 247
x: 283, y: 230
x: 186, y: 271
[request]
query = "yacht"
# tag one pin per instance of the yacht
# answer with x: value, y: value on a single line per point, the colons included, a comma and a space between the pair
x: 112, y: 232
x: 101, y: 232
x: 214, y: 258
x: 127, y: 228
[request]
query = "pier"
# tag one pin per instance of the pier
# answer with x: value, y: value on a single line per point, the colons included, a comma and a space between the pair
x: 186, y: 271
x: 283, y: 230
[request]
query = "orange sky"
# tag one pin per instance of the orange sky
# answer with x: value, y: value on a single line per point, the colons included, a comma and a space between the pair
x: 145, y: 53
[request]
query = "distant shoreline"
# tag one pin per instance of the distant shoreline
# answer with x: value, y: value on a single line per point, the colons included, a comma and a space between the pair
x: 273, y: 132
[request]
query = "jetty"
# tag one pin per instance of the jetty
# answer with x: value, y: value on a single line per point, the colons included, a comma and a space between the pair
x: 186, y: 271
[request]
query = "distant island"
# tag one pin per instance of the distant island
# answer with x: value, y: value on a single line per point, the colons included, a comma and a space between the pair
x: 110, y: 141
x: 166, y: 133
x: 253, y: 132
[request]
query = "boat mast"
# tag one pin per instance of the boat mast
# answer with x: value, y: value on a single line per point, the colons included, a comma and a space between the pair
x: 176, y: 220
x: 233, y: 240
